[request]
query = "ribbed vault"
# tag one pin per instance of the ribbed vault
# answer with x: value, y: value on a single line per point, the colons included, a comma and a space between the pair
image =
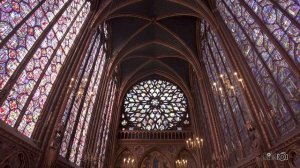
x: 73, y: 71
x: 152, y: 36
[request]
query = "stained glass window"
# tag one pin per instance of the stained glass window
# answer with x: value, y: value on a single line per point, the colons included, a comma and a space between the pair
x: 228, y: 91
x: 103, y: 134
x: 154, y: 105
x: 35, y: 40
x: 280, y: 26
x: 82, y: 99
x: 267, y: 33
x: 16, y: 46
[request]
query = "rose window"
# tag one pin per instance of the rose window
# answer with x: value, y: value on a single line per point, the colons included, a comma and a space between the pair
x: 154, y: 105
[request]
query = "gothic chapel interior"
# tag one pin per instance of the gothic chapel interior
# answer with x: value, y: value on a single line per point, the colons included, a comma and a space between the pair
x: 149, y: 83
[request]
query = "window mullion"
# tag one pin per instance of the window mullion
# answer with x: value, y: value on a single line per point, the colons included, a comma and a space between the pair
x: 16, y: 28
x: 95, y: 124
x: 219, y: 101
x: 79, y: 111
x: 228, y: 102
x: 44, y: 71
x: 277, y: 88
x: 94, y: 73
x: 102, y: 128
x: 227, y: 74
x: 292, y: 19
x: 81, y: 130
x: 278, y: 46
x: 46, y: 112
x: 72, y: 96
x: 10, y: 83
x: 108, y: 126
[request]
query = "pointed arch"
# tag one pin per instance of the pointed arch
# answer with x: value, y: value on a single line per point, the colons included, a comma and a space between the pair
x: 187, y: 155
x: 122, y: 153
x: 151, y: 155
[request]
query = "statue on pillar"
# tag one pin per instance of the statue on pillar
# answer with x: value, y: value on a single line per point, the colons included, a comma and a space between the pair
x: 54, y: 147
x: 256, y: 145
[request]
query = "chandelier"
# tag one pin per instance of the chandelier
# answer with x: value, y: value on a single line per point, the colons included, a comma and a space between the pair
x: 181, y: 163
x: 128, y: 162
x: 225, y: 84
x: 194, y: 143
x: 81, y: 88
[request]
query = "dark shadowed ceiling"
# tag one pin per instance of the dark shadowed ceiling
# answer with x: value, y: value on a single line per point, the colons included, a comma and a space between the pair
x: 152, y: 36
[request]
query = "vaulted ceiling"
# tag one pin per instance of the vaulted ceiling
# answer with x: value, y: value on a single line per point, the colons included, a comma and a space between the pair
x: 152, y: 37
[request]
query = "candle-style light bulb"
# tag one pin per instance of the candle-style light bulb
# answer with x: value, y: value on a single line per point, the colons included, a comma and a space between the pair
x: 233, y: 90
x: 215, y: 86
x: 241, y: 80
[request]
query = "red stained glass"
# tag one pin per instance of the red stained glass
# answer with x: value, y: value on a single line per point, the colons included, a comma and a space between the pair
x: 78, y: 112
x: 29, y: 93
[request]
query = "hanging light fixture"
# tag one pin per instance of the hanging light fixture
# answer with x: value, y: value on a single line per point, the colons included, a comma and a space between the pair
x: 181, y: 163
x: 129, y: 162
x: 230, y: 86
x: 194, y: 143
x: 81, y: 86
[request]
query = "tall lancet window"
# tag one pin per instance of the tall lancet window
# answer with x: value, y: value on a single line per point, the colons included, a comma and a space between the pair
x: 35, y: 39
x: 228, y: 89
x: 154, y: 105
x: 103, y: 134
x: 268, y: 35
x: 84, y: 88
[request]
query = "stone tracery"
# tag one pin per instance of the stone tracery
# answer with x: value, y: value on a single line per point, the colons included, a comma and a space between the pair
x: 154, y: 105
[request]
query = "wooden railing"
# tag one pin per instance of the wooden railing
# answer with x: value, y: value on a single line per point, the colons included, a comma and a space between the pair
x: 150, y: 135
